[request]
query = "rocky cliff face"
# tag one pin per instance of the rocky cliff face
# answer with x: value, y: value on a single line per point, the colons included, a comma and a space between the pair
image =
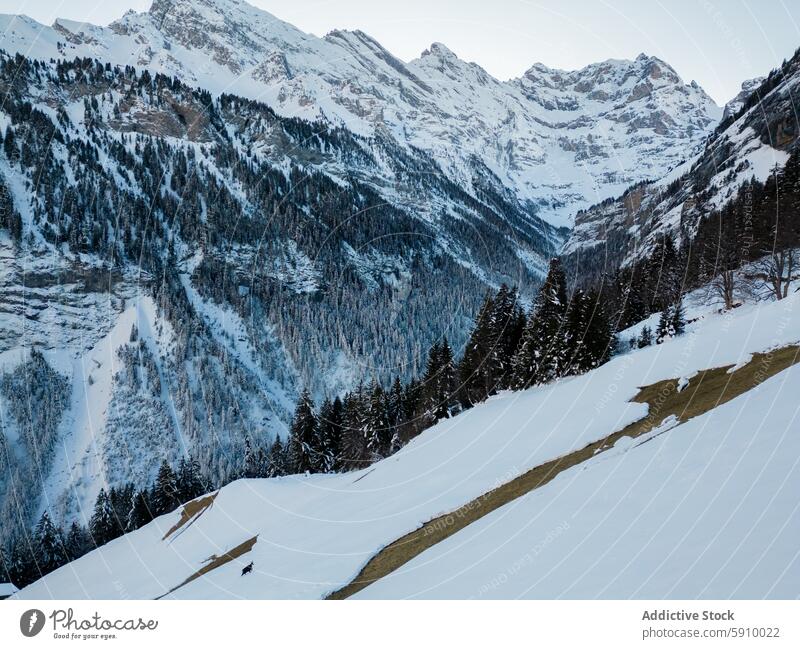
x: 757, y: 136
x: 735, y: 104
x: 559, y: 140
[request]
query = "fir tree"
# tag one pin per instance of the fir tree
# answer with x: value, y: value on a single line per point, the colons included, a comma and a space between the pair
x: 355, y: 453
x: 102, y: 526
x: 250, y: 468
x: 430, y: 384
x: 49, y: 545
x: 438, y: 384
x: 377, y: 432
x: 645, y: 338
x: 189, y: 480
x: 394, y: 404
x: 677, y: 319
x: 303, y: 439
x: 671, y: 323
x: 597, y: 340
x: 121, y: 499
x: 277, y: 459
x: 141, y: 513
x: 165, y: 490
x: 23, y: 569
x: 9, y: 145
x: 330, y: 435
x: 542, y: 352
x: 412, y: 406
x: 508, y: 323
x: 5, y: 565
x: 77, y: 542
x: 445, y: 382
x: 664, y: 329
x: 474, y: 370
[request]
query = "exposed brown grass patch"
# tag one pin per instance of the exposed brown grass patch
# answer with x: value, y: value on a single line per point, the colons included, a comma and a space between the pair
x: 707, y: 390
x: 190, y: 510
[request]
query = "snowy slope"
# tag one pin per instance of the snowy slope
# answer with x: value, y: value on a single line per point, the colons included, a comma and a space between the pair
x: 559, y: 140
x: 91, y: 453
x: 708, y: 509
x: 312, y: 534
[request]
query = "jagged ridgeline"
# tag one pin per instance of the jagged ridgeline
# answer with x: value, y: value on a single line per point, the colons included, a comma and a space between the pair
x: 742, y: 167
x: 190, y: 262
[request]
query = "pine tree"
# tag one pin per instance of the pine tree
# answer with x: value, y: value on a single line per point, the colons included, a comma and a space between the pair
x: 508, y: 322
x: 9, y: 145
x: 303, y: 438
x: 430, y: 384
x: 277, y: 459
x: 474, y: 370
x: 445, y: 382
x: 165, y: 490
x: 189, y: 480
x: 412, y: 410
x: 5, y: 567
x: 671, y: 323
x: 575, y: 331
x: 121, y: 499
x: 645, y: 338
x: 23, y: 569
x: 664, y: 329
x: 677, y: 319
x: 102, y: 526
x: 376, y: 432
x: 394, y: 404
x: 330, y: 435
x: 355, y: 453
x: 49, y: 545
x: 250, y: 468
x: 542, y: 352
x: 598, y: 339
x: 141, y: 513
x: 438, y: 384
x: 77, y: 542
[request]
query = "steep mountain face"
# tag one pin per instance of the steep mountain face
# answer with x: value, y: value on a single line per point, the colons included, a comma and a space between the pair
x: 178, y: 266
x: 735, y: 104
x: 560, y: 141
x: 751, y: 143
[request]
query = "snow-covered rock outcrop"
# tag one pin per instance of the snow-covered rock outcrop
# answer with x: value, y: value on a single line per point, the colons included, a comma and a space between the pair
x: 560, y: 140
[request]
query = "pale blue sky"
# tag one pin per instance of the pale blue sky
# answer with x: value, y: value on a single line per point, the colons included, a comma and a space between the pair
x: 716, y: 42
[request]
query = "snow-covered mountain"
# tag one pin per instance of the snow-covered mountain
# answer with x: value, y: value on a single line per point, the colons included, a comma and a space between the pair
x: 735, y: 104
x: 561, y: 141
x: 205, y: 210
x: 177, y: 267
x: 757, y: 137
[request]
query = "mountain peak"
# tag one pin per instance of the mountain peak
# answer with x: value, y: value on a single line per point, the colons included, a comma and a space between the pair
x: 440, y: 50
x: 747, y: 88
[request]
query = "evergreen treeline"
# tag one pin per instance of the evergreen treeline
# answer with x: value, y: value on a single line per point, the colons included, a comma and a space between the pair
x: 760, y: 226
x: 507, y: 349
x: 122, y: 509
